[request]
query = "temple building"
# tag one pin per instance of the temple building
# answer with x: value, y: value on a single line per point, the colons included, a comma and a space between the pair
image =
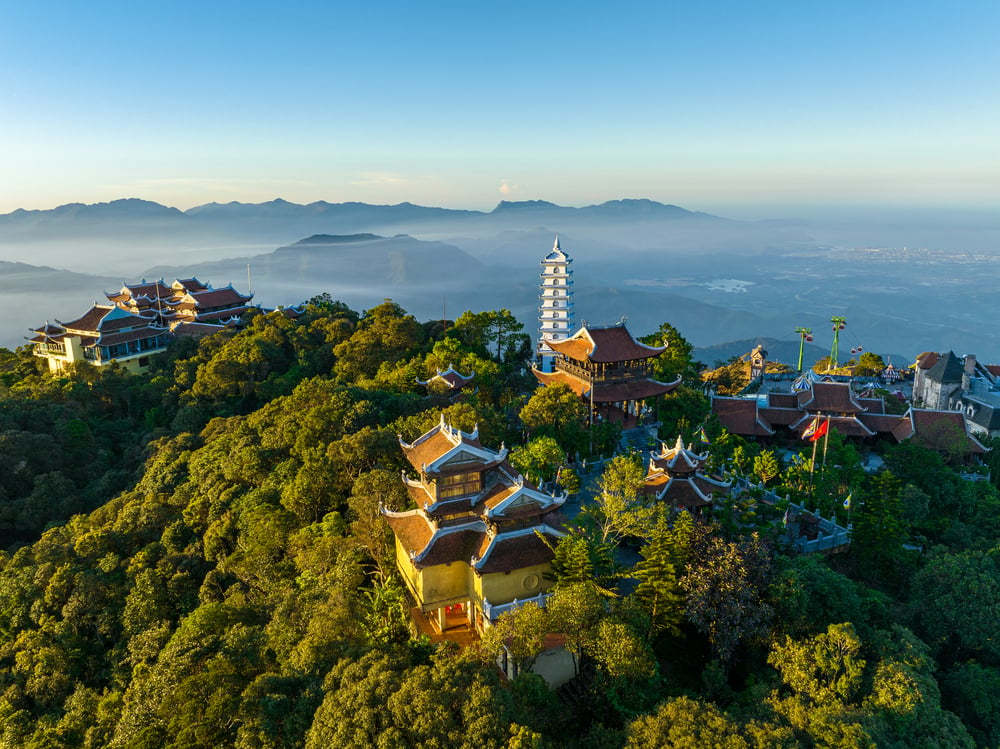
x: 139, y: 321
x: 473, y: 547
x: 676, y: 477
x: 104, y: 334
x: 792, y: 413
x: 555, y: 309
x: 946, y: 431
x: 608, y: 369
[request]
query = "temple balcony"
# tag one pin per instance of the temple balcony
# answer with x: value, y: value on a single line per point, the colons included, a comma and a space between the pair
x: 608, y: 376
x: 493, y: 611
x: 50, y: 350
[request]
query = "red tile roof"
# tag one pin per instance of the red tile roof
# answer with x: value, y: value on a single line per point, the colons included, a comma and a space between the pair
x: 115, y: 339
x: 196, y: 329
x: 944, y: 431
x: 90, y: 320
x: 516, y: 552
x: 849, y: 426
x: 830, y: 397
x: 779, y: 416
x: 618, y: 392
x: 452, y: 546
x: 411, y: 528
x: 434, y: 444
x: 739, y: 416
x: 927, y: 360
x: 219, y: 297
x: 880, y: 423
x: 604, y: 345
x: 782, y: 400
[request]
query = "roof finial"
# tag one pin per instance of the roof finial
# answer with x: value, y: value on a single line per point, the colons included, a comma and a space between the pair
x: 556, y: 245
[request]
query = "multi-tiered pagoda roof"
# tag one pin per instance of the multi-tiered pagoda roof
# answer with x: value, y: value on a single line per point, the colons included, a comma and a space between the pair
x: 473, y: 507
x: 676, y: 476
x: 606, y: 365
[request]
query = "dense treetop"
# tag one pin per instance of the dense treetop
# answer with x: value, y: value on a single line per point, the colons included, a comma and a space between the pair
x: 195, y: 558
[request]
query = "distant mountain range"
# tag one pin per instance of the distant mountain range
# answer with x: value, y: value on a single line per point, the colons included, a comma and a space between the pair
x: 714, y: 278
x: 282, y: 218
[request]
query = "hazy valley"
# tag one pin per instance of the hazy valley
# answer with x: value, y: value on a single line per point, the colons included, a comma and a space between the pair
x: 717, y: 280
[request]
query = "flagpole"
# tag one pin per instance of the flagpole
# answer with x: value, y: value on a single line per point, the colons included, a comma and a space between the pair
x: 826, y: 439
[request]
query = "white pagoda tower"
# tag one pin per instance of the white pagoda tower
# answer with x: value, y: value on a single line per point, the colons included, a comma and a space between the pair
x: 555, y: 309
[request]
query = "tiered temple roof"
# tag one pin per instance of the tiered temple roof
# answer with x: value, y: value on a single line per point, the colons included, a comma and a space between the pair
x: 472, y: 506
x: 450, y: 379
x: 849, y: 414
x: 605, y: 365
x: 676, y: 477
x: 140, y: 320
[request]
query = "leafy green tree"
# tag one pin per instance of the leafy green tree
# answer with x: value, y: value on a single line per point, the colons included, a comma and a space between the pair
x: 825, y: 668
x: 677, y: 360
x: 879, y: 530
x: 621, y: 510
x: 386, y: 333
x: 955, y: 601
x: 556, y: 411
x: 726, y: 593
x: 767, y: 466
x: 869, y: 365
x: 972, y: 691
x: 539, y: 459
x: 684, y: 723
x: 681, y: 411
x: 377, y: 702
x: 522, y: 632
x: 569, y: 480
x: 658, y: 591
x: 494, y: 331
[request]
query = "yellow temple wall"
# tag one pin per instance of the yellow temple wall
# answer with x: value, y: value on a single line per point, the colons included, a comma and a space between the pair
x: 435, y: 586
x: 502, y: 587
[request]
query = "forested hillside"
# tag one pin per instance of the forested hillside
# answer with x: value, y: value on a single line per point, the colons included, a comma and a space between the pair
x: 195, y: 558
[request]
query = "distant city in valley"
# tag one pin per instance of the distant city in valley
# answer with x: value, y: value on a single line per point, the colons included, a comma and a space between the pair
x: 724, y: 284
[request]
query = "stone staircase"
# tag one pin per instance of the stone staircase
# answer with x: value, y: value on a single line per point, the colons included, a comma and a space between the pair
x: 640, y: 439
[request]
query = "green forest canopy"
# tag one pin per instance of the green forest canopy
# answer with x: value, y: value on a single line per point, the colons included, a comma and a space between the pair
x: 195, y: 558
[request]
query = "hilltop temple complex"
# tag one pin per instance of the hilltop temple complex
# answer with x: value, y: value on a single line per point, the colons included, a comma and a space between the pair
x: 139, y: 320
x: 472, y: 548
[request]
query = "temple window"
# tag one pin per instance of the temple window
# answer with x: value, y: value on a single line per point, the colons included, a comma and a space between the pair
x: 459, y: 485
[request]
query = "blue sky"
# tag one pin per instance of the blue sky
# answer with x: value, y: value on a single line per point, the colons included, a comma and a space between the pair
x: 735, y: 106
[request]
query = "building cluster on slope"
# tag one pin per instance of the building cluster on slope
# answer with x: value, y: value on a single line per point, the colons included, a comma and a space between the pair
x: 139, y: 320
x: 945, y: 381
x: 851, y: 415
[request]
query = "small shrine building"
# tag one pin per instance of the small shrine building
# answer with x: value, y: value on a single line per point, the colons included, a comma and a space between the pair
x: 447, y: 381
x: 676, y: 477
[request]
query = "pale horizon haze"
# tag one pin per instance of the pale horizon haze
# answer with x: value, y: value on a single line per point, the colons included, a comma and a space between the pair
x: 729, y: 107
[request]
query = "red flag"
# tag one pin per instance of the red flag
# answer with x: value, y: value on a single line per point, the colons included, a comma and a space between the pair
x: 819, y: 431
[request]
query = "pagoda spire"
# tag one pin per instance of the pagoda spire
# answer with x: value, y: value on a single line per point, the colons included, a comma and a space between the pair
x: 555, y: 308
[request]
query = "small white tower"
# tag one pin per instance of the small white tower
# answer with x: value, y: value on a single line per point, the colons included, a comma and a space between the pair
x: 555, y: 308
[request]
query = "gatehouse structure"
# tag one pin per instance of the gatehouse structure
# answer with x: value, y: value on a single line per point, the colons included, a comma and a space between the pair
x: 676, y: 477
